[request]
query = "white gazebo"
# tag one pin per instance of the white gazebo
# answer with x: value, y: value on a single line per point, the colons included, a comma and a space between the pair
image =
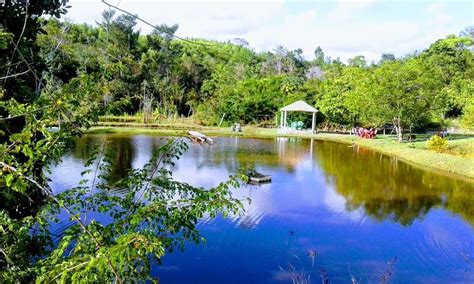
x: 300, y: 106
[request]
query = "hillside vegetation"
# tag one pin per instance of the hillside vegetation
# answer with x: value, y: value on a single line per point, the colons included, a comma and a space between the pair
x: 157, y: 77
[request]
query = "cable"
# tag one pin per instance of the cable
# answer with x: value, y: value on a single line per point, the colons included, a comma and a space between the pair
x: 155, y: 27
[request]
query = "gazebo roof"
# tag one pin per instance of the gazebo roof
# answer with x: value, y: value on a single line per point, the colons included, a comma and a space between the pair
x: 299, y: 106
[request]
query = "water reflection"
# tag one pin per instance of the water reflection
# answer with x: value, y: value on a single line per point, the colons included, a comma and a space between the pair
x: 384, y: 187
x: 351, y: 205
x: 389, y: 189
x: 120, y: 149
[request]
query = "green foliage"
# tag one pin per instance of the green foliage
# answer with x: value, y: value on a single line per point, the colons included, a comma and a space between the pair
x: 78, y: 73
x: 182, y: 79
x: 387, y: 57
x: 452, y: 67
x: 357, y: 61
x: 5, y: 39
x: 17, y: 247
x: 407, y: 92
x: 250, y: 100
x: 401, y: 94
x: 437, y: 144
x: 339, y: 96
x: 66, y: 75
x: 155, y: 215
x: 319, y: 58
x: 467, y: 119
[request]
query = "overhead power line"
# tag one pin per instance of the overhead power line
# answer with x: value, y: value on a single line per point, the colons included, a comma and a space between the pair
x: 154, y: 26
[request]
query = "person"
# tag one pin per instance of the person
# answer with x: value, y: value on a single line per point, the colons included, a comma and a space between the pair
x: 443, y: 134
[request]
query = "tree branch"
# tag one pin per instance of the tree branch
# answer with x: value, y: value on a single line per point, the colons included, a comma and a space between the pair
x: 50, y: 194
x: 14, y: 75
x: 19, y: 39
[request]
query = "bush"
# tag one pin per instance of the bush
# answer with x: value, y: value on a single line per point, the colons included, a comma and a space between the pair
x: 437, y: 143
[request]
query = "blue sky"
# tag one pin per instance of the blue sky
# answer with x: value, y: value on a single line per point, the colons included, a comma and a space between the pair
x: 342, y: 28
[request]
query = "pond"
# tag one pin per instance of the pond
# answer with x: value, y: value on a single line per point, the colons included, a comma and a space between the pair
x: 332, y: 210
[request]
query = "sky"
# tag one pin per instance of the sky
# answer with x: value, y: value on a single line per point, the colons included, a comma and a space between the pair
x: 342, y: 29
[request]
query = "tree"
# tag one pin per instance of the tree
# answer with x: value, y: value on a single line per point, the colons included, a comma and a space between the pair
x: 341, y: 96
x: 23, y: 75
x: 282, y: 61
x: 165, y: 31
x: 19, y: 59
x: 387, y: 57
x: 400, y: 94
x: 241, y: 42
x: 467, y: 32
x: 467, y: 119
x: 357, y: 61
x: 452, y: 66
x: 157, y: 214
x: 319, y: 57
x: 314, y: 72
x: 253, y: 100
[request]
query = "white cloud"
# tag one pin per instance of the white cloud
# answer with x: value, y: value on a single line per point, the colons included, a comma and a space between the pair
x: 437, y: 12
x: 345, y: 10
x: 442, y: 19
x: 436, y: 7
x: 339, y: 29
x: 196, y: 19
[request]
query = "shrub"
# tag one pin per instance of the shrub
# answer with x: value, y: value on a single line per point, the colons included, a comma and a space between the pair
x: 437, y: 143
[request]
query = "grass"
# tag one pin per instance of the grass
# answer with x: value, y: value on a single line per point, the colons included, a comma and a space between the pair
x: 458, y: 160
x: 127, y: 120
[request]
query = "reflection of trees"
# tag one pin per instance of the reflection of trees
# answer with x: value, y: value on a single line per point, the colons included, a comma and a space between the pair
x: 385, y: 187
x: 233, y: 153
x: 84, y: 147
x: 237, y: 153
x: 122, y: 153
x: 389, y: 189
x: 120, y: 149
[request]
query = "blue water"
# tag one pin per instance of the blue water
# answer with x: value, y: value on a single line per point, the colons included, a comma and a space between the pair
x: 344, y: 210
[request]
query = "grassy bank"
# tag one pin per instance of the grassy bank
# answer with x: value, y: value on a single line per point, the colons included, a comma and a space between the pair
x: 458, y: 160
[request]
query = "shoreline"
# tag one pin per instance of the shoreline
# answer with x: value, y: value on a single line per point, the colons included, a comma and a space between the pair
x: 413, y: 153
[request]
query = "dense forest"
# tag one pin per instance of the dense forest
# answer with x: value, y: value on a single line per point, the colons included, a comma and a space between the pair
x: 160, y: 76
x: 56, y: 72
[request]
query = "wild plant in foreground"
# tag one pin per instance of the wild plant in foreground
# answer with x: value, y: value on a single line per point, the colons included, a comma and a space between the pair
x: 154, y: 216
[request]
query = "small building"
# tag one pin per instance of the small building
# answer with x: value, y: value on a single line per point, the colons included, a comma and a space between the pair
x: 298, y: 106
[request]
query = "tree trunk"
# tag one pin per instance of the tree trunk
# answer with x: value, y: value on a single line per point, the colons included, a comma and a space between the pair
x: 398, y: 129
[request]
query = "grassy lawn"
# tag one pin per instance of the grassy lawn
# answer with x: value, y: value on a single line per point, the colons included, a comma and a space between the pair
x: 458, y: 160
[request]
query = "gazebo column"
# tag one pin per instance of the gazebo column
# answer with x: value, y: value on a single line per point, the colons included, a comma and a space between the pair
x: 281, y: 119
x: 313, y: 124
x: 285, y: 122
